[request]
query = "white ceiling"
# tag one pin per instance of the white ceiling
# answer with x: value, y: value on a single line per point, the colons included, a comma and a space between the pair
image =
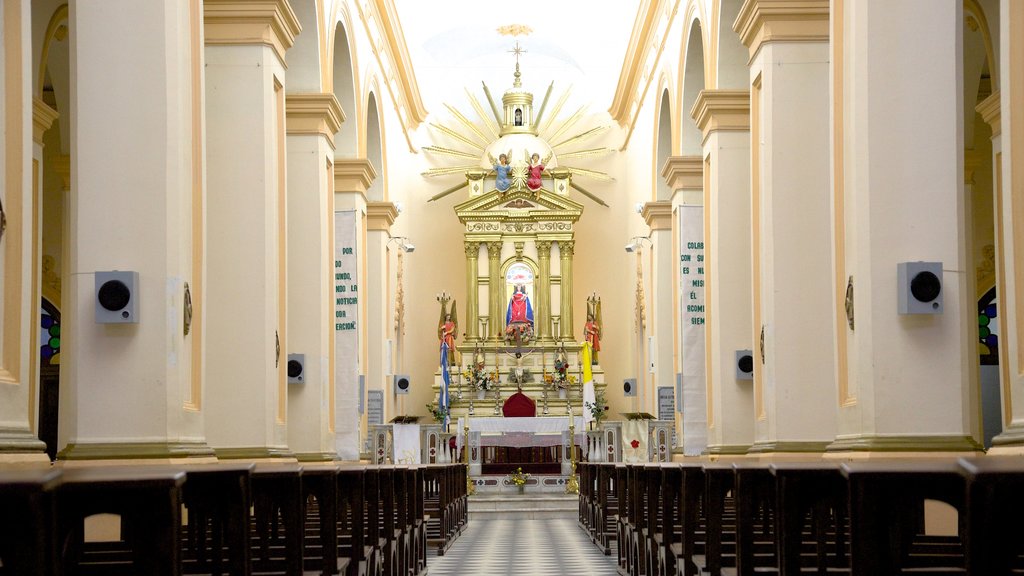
x: 455, y: 45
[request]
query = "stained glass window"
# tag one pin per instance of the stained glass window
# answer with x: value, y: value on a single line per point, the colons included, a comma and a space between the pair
x: 49, y: 333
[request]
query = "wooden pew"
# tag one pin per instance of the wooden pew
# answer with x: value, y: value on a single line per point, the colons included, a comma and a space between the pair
x: 27, y: 546
x: 622, y: 524
x: 351, y: 521
x: 277, y: 504
x: 886, y: 516
x: 148, y: 500
x: 817, y: 490
x: 719, y: 482
x: 605, y: 507
x: 217, y: 498
x: 755, y: 518
x: 995, y: 505
x: 670, y: 526
x: 692, y: 518
x: 320, y: 495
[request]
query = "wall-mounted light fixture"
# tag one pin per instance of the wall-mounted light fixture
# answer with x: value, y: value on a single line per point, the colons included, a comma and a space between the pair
x: 636, y: 242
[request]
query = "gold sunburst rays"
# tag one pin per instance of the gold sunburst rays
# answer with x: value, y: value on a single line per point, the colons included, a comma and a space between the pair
x: 447, y: 170
x: 584, y: 153
x: 452, y: 133
x: 595, y: 174
x: 567, y: 123
x: 492, y: 128
x: 557, y: 109
x: 451, y: 152
x: 581, y: 136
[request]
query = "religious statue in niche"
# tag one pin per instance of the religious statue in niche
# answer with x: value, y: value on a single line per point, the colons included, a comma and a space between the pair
x: 592, y: 329
x: 501, y: 173
x: 519, y: 117
x: 519, y: 317
x: 448, y: 328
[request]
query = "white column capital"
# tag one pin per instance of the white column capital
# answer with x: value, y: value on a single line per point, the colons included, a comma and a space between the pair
x: 683, y: 172
x: 761, y: 21
x: 242, y: 22
x: 721, y: 110
x: 380, y: 215
x: 314, y: 113
x: 990, y: 111
x: 43, y: 116
x: 353, y: 175
x: 658, y: 215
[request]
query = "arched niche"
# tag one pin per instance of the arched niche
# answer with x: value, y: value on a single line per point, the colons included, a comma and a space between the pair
x: 346, y: 142
x: 693, y: 83
x: 375, y: 150
x: 519, y: 270
x: 663, y: 147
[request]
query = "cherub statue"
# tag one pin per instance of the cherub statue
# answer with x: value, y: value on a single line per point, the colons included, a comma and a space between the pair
x: 592, y: 329
x: 448, y: 329
x: 536, y: 167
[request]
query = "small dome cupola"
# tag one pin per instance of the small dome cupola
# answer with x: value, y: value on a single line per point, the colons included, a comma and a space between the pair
x: 518, y: 104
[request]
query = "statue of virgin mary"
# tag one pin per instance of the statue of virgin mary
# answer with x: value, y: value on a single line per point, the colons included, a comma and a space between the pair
x: 519, y: 308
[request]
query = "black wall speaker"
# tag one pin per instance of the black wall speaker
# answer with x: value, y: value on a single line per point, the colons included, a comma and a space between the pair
x: 402, y: 383
x: 920, y: 287
x: 117, y: 297
x: 629, y: 387
x: 744, y: 364
x: 296, y: 368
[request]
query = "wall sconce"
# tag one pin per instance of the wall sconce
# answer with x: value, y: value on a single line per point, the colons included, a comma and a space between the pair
x: 403, y: 243
x: 636, y: 242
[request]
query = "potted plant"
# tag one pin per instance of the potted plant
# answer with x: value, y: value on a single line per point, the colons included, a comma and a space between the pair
x: 597, y: 408
x: 438, y: 412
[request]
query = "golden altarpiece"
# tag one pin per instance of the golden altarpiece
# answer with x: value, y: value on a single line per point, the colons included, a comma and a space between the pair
x: 519, y: 227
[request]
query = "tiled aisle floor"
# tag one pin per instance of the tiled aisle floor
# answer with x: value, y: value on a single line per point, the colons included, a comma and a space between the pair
x: 522, y: 548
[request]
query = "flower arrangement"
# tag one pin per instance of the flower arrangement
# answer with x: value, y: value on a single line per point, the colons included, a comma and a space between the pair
x: 478, y: 377
x: 518, y: 478
x: 438, y: 412
x: 597, y: 408
x: 560, y: 378
x: 519, y: 332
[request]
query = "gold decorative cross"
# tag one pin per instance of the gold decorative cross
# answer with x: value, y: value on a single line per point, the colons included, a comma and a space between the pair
x: 518, y: 50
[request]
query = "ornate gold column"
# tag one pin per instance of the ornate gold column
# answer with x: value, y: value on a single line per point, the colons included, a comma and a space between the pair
x: 544, y: 292
x: 472, y: 291
x: 494, y: 288
x: 565, y: 250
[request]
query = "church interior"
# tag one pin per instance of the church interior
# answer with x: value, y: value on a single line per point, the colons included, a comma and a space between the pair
x: 644, y: 288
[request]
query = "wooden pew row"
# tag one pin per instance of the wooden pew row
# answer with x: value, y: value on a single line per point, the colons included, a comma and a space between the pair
x: 241, y: 519
x: 861, y: 518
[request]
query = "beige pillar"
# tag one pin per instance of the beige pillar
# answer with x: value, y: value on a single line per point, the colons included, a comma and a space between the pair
x: 494, y: 290
x: 19, y: 285
x: 379, y: 218
x: 1009, y: 166
x: 246, y: 307
x: 352, y: 178
x: 724, y: 119
x: 789, y: 71
x: 472, y: 290
x: 565, y: 251
x: 312, y: 121
x: 664, y: 315
x: 684, y: 176
x: 543, y: 320
x: 129, y: 390
x: 904, y: 382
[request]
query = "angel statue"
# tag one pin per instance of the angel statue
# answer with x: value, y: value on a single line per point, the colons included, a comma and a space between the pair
x: 448, y: 329
x: 502, y: 181
x: 533, y: 181
x: 592, y: 329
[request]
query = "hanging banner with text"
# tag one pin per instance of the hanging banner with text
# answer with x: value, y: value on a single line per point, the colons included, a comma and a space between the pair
x: 346, y: 336
x: 691, y: 300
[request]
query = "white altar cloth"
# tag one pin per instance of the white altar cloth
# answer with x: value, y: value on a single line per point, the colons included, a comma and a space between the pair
x: 525, y: 432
